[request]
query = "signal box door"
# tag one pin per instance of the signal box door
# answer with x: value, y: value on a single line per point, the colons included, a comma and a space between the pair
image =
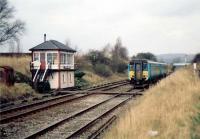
x: 42, y: 60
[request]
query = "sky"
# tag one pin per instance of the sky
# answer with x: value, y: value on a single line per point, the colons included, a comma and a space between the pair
x: 157, y: 26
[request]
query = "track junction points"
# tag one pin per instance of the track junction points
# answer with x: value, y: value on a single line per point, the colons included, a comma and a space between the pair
x: 72, y: 114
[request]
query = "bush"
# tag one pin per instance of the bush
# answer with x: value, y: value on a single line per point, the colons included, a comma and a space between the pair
x: 80, y: 83
x: 79, y: 74
x: 122, y: 67
x: 102, y: 70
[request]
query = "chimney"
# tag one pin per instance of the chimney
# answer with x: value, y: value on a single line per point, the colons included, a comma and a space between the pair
x: 45, y: 37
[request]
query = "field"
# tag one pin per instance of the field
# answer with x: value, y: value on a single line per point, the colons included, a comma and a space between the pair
x: 20, y: 64
x: 170, y: 110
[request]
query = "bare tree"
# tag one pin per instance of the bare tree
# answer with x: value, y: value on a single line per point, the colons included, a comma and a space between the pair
x: 68, y: 43
x: 119, y: 56
x: 119, y: 51
x: 19, y: 47
x: 106, y: 50
x: 11, y: 47
x: 147, y: 55
x: 9, y: 29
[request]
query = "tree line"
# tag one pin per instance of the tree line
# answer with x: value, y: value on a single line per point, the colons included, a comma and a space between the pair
x: 10, y: 28
x: 108, y: 60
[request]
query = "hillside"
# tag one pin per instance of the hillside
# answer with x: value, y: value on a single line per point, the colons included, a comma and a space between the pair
x: 175, y: 58
x: 170, y: 110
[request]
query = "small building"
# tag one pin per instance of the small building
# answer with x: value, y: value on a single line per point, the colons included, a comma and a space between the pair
x: 7, y: 75
x: 53, y: 62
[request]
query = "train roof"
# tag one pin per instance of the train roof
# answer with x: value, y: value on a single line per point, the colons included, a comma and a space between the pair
x: 147, y: 61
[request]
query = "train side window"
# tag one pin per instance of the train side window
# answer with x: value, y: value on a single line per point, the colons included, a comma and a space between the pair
x: 145, y: 66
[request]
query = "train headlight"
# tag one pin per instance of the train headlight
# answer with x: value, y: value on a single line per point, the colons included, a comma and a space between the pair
x: 145, y: 74
x: 131, y: 74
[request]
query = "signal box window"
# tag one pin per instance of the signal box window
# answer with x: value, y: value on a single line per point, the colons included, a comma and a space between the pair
x: 52, y: 58
x: 70, y: 59
x: 36, y: 56
x: 63, y: 58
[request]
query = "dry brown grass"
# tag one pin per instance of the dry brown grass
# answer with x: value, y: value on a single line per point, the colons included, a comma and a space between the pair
x: 20, y: 64
x: 166, y: 108
x: 96, y: 79
x: 18, y: 91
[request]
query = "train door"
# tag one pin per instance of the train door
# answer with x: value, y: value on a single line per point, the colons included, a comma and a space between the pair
x: 42, y: 60
x: 138, y: 71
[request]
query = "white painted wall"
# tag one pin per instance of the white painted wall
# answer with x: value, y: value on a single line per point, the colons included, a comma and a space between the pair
x: 66, y: 79
x: 53, y: 80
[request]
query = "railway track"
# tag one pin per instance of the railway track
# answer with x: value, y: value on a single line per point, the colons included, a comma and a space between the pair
x: 13, y: 113
x: 54, y: 93
x: 108, y: 86
x: 8, y: 115
x: 78, y: 115
x: 88, y: 125
x: 23, y: 110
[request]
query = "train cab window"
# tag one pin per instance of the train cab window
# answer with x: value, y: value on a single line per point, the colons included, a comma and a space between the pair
x: 138, y: 67
x: 132, y: 67
x: 145, y: 66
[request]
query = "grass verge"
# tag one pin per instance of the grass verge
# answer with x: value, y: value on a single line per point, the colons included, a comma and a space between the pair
x: 169, y: 110
x: 19, y: 91
x: 93, y: 78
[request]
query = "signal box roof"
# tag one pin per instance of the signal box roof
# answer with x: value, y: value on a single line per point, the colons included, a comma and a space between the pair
x: 52, y: 45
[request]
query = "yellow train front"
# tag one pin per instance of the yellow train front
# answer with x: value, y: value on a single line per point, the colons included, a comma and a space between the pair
x: 142, y: 72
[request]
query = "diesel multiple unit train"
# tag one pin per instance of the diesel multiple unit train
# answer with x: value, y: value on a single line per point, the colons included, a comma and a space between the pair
x: 142, y: 72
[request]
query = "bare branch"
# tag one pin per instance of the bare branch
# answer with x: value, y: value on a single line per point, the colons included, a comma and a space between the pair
x: 9, y: 30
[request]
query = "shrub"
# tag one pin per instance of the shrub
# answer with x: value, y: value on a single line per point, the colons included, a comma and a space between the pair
x: 80, y: 83
x: 79, y: 74
x: 103, y: 70
x: 122, y: 67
